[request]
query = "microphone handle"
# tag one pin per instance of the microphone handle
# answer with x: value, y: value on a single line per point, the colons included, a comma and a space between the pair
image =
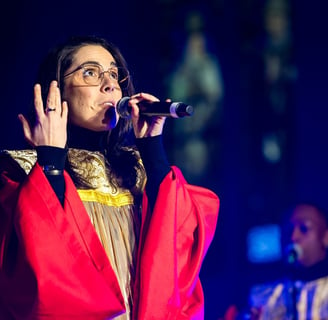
x: 166, y: 109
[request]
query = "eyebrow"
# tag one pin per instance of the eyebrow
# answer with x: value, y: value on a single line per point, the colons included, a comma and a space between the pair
x: 112, y: 64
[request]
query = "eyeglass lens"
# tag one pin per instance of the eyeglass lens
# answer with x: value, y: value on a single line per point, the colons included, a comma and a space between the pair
x: 93, y: 74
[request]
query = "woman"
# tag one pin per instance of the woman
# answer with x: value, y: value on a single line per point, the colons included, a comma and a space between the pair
x: 95, y: 224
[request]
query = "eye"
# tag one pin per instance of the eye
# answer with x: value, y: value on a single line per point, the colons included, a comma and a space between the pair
x: 113, y: 73
x: 91, y: 72
x: 303, y: 228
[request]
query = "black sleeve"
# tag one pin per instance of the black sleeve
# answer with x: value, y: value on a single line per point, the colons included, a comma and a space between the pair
x: 53, y: 158
x: 156, y: 164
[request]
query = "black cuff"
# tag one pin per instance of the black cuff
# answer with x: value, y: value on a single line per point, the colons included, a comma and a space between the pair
x: 153, y: 157
x: 51, y: 156
x: 52, y: 160
x: 155, y: 162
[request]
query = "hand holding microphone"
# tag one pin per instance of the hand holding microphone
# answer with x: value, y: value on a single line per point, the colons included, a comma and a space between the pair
x: 155, y: 108
x: 152, y: 113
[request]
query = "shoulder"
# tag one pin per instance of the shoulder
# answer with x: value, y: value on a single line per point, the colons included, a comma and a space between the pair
x: 261, y: 294
x: 17, y: 163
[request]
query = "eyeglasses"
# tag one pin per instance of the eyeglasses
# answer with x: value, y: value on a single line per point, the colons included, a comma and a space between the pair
x: 93, y: 74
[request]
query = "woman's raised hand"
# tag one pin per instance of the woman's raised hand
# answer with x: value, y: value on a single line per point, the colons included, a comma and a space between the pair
x: 50, y: 128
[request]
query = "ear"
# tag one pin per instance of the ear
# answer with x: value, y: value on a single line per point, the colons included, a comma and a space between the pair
x: 325, y: 239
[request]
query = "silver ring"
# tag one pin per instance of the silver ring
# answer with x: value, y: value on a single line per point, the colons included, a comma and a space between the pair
x: 50, y: 109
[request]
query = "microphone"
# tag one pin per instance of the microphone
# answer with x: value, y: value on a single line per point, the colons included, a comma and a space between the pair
x: 293, y: 253
x: 155, y: 108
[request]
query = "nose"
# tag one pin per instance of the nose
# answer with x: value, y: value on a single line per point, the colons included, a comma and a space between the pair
x: 108, y: 84
x: 295, y: 235
x: 110, y: 87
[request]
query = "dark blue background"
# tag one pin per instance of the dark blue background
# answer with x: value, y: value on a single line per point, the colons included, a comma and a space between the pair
x: 144, y: 31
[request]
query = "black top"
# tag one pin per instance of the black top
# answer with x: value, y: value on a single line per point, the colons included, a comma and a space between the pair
x: 151, y: 151
x: 314, y: 272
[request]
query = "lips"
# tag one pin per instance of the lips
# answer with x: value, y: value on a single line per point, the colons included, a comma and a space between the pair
x: 109, y: 104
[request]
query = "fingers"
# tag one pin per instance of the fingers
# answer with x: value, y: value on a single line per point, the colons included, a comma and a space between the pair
x: 38, y: 104
x: 145, y: 126
x: 144, y: 96
x: 26, y: 129
x: 51, y: 119
x: 53, y: 104
x: 64, y: 110
x: 136, y: 98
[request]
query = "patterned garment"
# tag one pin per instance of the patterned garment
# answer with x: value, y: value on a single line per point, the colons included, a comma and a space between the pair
x: 112, y: 210
x: 276, y: 300
x: 54, y: 263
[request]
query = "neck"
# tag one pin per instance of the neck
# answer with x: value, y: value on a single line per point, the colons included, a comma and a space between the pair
x: 82, y: 138
x: 316, y: 271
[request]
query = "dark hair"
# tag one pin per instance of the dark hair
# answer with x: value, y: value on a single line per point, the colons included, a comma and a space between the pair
x: 60, y: 58
x: 121, y: 151
x: 288, y: 212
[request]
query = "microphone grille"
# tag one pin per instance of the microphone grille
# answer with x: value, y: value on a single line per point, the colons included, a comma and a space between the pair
x: 293, y: 252
x: 123, y: 108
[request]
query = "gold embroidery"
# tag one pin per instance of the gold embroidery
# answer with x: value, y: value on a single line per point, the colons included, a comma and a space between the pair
x: 112, y: 210
x: 25, y: 158
x: 116, y: 200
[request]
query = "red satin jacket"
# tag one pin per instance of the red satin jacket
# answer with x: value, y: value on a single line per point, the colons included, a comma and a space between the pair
x: 53, y: 266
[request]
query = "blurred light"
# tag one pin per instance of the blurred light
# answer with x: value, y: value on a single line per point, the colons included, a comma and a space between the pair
x: 271, y: 148
x: 263, y: 244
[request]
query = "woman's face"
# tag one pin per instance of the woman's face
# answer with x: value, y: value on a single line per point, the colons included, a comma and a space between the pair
x: 92, y: 106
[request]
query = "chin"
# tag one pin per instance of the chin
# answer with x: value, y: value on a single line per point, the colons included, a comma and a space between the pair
x: 101, y: 129
x: 97, y: 127
x: 108, y: 125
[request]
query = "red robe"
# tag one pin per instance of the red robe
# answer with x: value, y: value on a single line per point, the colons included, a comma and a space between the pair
x: 53, y: 266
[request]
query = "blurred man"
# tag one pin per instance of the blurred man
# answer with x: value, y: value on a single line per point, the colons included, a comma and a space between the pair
x: 304, y: 292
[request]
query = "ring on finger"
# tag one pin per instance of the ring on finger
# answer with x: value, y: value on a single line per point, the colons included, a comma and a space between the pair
x: 50, y: 109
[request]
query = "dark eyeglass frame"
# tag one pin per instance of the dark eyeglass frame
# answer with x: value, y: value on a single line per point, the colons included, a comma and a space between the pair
x: 101, y: 73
